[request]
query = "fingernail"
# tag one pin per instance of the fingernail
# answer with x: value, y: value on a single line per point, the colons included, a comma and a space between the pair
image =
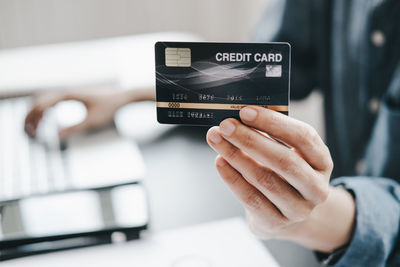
x: 221, y: 162
x: 214, y: 136
x: 248, y: 114
x: 227, y: 127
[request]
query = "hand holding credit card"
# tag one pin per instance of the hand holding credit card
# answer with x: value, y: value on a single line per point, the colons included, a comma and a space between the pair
x: 205, y: 83
x: 278, y: 167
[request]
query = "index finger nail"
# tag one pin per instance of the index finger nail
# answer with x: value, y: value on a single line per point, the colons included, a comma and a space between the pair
x: 248, y: 114
x: 214, y: 136
x: 227, y: 127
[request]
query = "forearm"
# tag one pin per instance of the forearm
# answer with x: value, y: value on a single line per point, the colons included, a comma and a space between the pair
x: 330, y: 224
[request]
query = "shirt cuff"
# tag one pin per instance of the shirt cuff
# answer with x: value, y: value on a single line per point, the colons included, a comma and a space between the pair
x: 377, y: 220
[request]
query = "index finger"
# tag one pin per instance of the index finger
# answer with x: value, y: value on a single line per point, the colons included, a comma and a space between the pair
x: 32, y: 120
x: 40, y: 105
x: 295, y: 133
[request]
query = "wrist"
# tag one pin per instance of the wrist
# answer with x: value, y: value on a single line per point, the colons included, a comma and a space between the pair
x: 329, y: 226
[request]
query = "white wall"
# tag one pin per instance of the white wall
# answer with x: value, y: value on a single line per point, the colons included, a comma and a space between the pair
x: 30, y: 22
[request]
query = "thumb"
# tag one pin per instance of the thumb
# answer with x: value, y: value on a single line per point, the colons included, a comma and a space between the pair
x: 80, y: 127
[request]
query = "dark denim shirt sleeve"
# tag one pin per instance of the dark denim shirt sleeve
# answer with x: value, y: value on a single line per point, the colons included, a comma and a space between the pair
x: 383, y: 151
x: 375, y: 240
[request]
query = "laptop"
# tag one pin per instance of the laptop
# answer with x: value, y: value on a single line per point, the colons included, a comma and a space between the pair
x: 88, y: 186
x: 87, y: 190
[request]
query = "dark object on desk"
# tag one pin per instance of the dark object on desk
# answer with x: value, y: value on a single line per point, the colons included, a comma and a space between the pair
x: 72, y: 219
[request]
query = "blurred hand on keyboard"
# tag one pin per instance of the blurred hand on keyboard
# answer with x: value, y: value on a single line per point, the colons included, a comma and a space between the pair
x: 101, y: 106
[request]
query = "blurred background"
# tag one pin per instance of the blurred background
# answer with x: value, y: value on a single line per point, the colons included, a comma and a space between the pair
x: 195, y: 193
x: 33, y: 22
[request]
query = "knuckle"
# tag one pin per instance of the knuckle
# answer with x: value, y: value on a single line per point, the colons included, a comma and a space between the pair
x: 320, y: 192
x: 282, y: 160
x: 248, y: 140
x: 233, y: 153
x: 307, y: 134
x: 329, y: 166
x: 254, y: 201
x: 267, y: 181
x: 329, y: 163
x: 233, y: 179
x: 286, y: 162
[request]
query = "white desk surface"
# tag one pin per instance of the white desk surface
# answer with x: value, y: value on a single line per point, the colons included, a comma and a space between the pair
x: 216, y: 244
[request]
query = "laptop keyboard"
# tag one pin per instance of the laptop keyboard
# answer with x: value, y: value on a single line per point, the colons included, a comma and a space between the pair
x: 27, y: 166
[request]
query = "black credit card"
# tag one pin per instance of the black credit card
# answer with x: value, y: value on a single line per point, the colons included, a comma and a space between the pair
x: 204, y: 83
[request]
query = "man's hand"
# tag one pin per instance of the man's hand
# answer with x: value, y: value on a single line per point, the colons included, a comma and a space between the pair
x: 280, y: 186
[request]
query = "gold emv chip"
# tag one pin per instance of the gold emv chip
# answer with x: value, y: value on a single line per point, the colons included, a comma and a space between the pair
x: 177, y: 57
